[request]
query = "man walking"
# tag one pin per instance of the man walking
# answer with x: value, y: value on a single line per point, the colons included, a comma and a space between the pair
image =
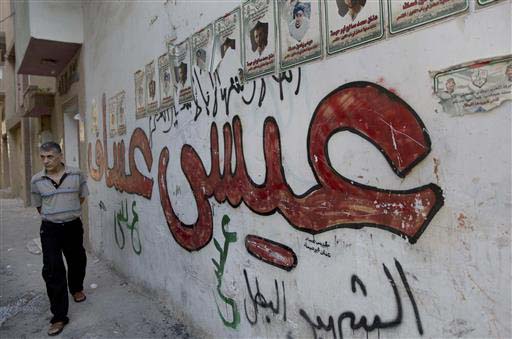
x: 58, y: 192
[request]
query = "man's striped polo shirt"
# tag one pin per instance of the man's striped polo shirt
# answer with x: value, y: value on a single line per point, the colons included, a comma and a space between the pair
x: 59, y: 202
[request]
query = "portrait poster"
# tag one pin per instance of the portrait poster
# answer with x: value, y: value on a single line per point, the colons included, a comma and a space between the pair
x: 140, y: 97
x: 112, y: 113
x: 349, y: 26
x: 166, y: 81
x: 404, y: 15
x: 151, y: 88
x: 474, y: 87
x: 300, y: 32
x: 120, y: 113
x: 182, y: 71
x: 202, y: 45
x: 94, y: 118
x: 227, y: 39
x: 259, y: 38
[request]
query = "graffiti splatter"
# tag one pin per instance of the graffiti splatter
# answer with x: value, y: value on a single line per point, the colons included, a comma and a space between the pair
x: 229, y: 237
x: 121, y: 218
x: 363, y: 108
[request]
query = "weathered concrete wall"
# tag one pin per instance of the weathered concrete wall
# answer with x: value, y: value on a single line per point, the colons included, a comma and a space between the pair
x: 449, y: 277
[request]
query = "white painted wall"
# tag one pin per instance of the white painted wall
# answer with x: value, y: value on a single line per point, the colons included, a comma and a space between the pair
x: 458, y: 271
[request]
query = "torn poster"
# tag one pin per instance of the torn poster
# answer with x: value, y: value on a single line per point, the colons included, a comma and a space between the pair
x: 474, y: 87
x: 227, y: 39
x: 151, y: 88
x: 202, y: 45
x: 182, y: 71
x: 259, y: 38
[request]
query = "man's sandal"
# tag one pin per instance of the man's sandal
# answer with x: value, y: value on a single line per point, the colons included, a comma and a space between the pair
x: 56, y: 327
x: 78, y: 297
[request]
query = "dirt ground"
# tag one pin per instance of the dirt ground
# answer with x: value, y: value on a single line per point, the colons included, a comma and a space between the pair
x: 114, y: 307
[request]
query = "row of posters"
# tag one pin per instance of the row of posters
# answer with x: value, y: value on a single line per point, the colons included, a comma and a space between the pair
x: 267, y: 36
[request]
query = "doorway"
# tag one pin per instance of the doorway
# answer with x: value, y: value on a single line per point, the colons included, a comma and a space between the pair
x: 71, y: 117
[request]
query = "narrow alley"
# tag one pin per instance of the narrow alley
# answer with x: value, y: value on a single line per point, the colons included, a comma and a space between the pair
x: 256, y: 168
x: 114, y: 308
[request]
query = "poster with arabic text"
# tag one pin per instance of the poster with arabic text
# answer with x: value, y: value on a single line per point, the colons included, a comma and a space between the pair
x: 202, y: 45
x: 166, y: 81
x: 352, y: 25
x: 474, y: 87
x: 151, y: 88
x: 120, y: 113
x: 112, y: 113
x: 94, y: 118
x: 182, y: 71
x: 140, y: 97
x: 227, y: 40
x: 259, y: 38
x: 300, y: 32
x: 404, y: 15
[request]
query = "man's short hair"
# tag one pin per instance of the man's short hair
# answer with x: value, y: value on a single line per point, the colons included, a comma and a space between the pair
x: 50, y: 146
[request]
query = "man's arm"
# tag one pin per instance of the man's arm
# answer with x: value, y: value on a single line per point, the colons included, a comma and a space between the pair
x: 35, y: 196
x: 84, y: 190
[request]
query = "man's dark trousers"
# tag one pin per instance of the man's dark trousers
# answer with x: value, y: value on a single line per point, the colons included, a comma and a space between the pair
x: 56, y: 239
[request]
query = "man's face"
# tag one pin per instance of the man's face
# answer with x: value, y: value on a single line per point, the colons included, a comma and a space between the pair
x: 51, y: 160
x: 450, y: 86
x: 299, y: 16
x: 258, y: 35
x: 140, y: 95
x: 152, y: 88
x: 509, y: 73
x: 182, y: 74
x: 349, y: 3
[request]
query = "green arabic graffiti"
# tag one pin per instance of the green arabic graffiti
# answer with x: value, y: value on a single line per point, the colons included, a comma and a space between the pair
x: 122, y: 218
x: 230, y: 237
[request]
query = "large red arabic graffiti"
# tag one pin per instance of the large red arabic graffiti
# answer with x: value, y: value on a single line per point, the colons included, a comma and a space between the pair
x: 135, y: 182
x: 364, y: 108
